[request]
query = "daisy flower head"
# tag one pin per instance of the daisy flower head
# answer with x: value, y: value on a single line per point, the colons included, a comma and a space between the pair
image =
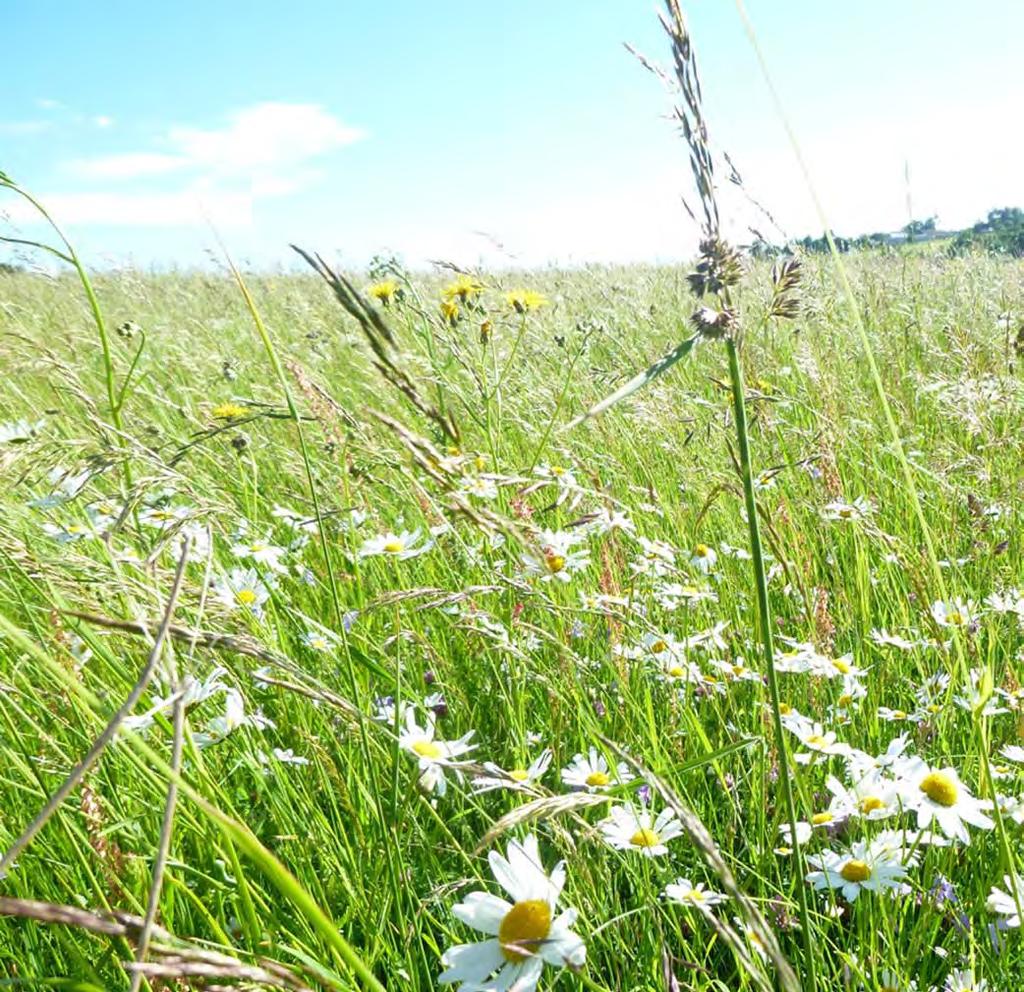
x: 862, y: 869
x: 1003, y: 903
x: 604, y: 521
x: 401, y: 546
x: 557, y: 561
x: 262, y: 552
x: 963, y: 980
x: 522, y: 934
x: 593, y: 773
x: 817, y: 740
x: 839, y: 510
x: 703, y: 558
x: 873, y: 797
x: 630, y: 829
x: 320, y: 640
x: 556, y: 473
x: 656, y: 558
x: 242, y: 589
x: 480, y: 486
x: 433, y: 756
x: 673, y: 595
x: 956, y: 613
x: 939, y: 797
x: 516, y: 779
x: 683, y: 891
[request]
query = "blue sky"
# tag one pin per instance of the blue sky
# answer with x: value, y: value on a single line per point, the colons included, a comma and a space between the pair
x: 507, y: 133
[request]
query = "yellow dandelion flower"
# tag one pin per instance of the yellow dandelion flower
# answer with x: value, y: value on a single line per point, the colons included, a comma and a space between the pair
x: 465, y: 288
x: 525, y: 300
x: 384, y: 291
x: 450, y: 311
x: 229, y: 411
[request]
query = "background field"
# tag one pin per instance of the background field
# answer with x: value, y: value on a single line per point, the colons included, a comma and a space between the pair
x: 382, y: 859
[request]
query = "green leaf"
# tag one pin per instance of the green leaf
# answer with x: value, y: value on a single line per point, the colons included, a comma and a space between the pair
x: 663, y: 364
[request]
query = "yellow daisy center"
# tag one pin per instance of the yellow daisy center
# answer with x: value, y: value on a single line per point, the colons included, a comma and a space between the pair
x: 676, y: 671
x: 739, y: 670
x: 844, y: 700
x: 695, y: 895
x: 841, y: 666
x: 939, y: 788
x: 815, y: 740
x: 785, y: 709
x: 956, y: 618
x: 899, y: 715
x: 519, y: 774
x: 645, y: 837
x: 246, y: 597
x: 701, y: 551
x: 597, y: 779
x: 870, y: 803
x: 856, y: 871
x: 394, y: 547
x: 427, y: 749
x: 846, y: 512
x: 555, y: 562
x: 523, y: 926
x: 819, y: 819
x: 658, y: 646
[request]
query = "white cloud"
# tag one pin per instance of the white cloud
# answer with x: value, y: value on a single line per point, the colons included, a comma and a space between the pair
x: 129, y: 166
x: 261, y: 152
x: 16, y: 128
x: 262, y: 144
x: 102, y: 120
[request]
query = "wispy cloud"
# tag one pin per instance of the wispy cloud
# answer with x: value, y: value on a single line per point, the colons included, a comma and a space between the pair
x: 17, y: 128
x: 260, y: 141
x: 218, y: 174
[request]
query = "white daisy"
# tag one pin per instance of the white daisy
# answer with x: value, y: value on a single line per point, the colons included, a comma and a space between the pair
x: 861, y: 869
x: 516, y: 779
x: 964, y: 981
x: 592, y: 772
x: 400, y: 546
x: 557, y: 560
x: 262, y: 552
x: 958, y: 613
x: 1003, y: 903
x: 242, y: 589
x: 703, y: 558
x: 630, y: 829
x: 860, y: 509
x: 433, y: 756
x: 682, y: 890
x: 523, y: 934
x: 938, y: 795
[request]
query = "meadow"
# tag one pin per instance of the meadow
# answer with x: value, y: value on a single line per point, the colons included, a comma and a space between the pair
x: 621, y: 628
x: 533, y: 591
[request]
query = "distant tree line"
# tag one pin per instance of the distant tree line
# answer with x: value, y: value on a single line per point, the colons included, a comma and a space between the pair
x: 1002, y: 232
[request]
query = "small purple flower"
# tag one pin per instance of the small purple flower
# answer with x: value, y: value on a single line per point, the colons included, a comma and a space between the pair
x: 429, y: 677
x: 349, y: 619
x: 643, y: 793
x: 943, y: 891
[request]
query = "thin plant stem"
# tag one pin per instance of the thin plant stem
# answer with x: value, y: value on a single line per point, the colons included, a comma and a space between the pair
x: 767, y: 643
